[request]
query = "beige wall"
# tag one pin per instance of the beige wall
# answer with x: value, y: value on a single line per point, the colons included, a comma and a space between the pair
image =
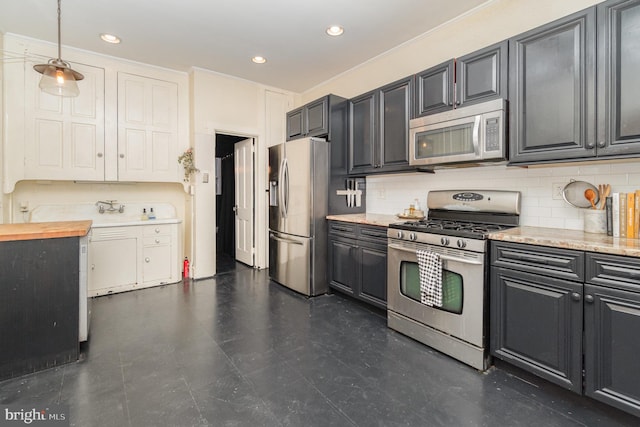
x: 493, y: 22
x: 225, y: 104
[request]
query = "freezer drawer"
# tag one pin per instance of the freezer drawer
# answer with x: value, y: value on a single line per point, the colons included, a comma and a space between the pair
x: 290, y: 261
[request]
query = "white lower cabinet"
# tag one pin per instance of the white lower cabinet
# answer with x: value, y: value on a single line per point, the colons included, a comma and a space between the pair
x: 124, y: 258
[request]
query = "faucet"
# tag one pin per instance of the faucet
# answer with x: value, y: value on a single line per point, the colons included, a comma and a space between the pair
x: 101, y: 206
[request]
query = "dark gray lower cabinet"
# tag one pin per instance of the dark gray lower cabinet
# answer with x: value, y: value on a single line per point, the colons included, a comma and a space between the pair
x: 39, y: 304
x: 570, y: 317
x: 358, y: 261
x: 538, y: 325
x: 611, y: 330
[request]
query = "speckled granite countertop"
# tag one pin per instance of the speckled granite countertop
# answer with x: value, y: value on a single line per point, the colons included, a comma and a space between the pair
x: 570, y: 239
x: 366, y: 218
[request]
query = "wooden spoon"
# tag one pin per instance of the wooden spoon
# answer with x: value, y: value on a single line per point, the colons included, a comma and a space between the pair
x: 590, y: 195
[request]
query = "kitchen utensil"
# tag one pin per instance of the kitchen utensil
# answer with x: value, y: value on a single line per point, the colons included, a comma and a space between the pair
x: 606, y: 190
x: 590, y: 195
x: 573, y: 193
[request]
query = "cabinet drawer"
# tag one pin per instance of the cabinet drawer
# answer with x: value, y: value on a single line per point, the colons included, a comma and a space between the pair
x: 547, y: 261
x: 153, y: 230
x: 156, y: 240
x: 373, y: 234
x: 613, y: 271
x: 347, y: 229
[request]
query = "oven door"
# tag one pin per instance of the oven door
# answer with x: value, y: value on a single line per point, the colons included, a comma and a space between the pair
x: 463, y: 290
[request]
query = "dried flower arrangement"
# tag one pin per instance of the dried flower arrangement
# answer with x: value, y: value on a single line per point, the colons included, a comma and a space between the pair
x: 186, y: 160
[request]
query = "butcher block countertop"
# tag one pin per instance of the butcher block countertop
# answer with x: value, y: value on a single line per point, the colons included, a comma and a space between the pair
x: 366, y: 218
x: 570, y: 239
x: 44, y: 230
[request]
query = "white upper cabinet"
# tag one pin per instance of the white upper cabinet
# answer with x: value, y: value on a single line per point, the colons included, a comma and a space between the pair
x: 129, y: 123
x: 147, y: 129
x: 64, y: 137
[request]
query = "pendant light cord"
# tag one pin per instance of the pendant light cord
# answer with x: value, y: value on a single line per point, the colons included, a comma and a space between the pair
x: 59, y: 39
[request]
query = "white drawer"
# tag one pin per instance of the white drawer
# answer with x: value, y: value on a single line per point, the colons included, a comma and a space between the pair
x: 156, y: 240
x: 157, y: 229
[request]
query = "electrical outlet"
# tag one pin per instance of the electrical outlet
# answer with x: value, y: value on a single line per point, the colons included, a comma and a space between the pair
x: 556, y: 190
x: 381, y: 193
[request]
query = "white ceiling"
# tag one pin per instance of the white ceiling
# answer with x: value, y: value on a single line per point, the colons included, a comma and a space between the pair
x: 223, y: 35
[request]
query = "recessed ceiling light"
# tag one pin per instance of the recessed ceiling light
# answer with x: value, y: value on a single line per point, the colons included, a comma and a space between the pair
x: 110, y: 38
x: 335, y: 30
x: 259, y: 59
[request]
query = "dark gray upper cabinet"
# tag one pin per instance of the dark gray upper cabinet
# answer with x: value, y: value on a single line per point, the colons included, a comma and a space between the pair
x: 482, y: 75
x: 362, y: 131
x: 618, y: 78
x: 477, y: 77
x: 434, y: 89
x: 552, y: 91
x: 313, y: 119
x: 379, y: 129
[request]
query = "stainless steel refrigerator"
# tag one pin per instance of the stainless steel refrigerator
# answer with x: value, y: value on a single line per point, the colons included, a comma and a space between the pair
x: 298, y: 198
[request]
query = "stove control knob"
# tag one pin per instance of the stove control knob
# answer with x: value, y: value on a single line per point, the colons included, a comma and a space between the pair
x: 444, y: 241
x: 413, y: 237
x: 400, y: 235
x: 461, y: 244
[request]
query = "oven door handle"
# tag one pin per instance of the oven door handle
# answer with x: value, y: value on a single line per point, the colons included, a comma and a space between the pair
x: 442, y: 257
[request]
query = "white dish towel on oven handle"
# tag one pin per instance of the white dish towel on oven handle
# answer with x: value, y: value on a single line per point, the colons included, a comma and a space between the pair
x: 430, y: 267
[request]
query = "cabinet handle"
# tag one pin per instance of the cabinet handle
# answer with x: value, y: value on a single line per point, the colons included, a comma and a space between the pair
x: 99, y: 155
x: 122, y: 156
x: 575, y: 296
x: 157, y: 240
x: 147, y: 259
x: 591, y: 145
x: 157, y: 230
x: 458, y: 103
x: 589, y: 299
x: 93, y: 266
x: 602, y: 144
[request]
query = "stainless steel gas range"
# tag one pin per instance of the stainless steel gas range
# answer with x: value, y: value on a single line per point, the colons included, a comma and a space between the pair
x: 455, y: 234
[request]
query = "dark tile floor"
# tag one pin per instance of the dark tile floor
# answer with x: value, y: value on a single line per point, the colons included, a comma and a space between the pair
x: 239, y: 350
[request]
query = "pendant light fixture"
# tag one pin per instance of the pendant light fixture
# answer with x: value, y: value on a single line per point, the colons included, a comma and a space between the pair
x: 57, y: 76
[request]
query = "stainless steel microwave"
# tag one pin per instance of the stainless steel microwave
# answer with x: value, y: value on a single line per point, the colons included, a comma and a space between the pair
x: 466, y: 135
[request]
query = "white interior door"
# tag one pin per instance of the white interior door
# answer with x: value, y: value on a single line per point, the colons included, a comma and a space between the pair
x: 243, y: 155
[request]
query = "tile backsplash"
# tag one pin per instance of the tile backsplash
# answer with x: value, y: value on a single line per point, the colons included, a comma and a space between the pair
x: 391, y: 194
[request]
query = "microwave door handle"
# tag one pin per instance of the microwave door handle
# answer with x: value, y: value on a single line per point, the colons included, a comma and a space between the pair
x: 476, y: 135
x: 442, y: 257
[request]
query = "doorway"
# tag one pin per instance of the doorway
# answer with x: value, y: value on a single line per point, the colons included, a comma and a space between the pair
x: 226, y: 202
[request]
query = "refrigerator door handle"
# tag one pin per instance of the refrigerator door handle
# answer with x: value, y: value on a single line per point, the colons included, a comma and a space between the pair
x: 284, y: 240
x: 281, y: 189
x: 285, y: 176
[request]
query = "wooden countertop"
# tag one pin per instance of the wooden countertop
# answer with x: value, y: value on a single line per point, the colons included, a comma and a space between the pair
x: 570, y: 239
x: 44, y: 230
x: 366, y: 218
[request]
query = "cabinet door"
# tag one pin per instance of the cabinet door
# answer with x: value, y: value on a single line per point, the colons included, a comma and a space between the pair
x: 156, y: 267
x: 64, y: 137
x: 147, y: 129
x: 434, y: 89
x: 482, y: 75
x: 362, y: 134
x: 395, y: 111
x: 619, y: 78
x: 317, y: 118
x: 113, y: 264
x: 536, y: 324
x: 372, y: 263
x: 552, y: 89
x: 612, y: 322
x: 295, y: 124
x: 342, y: 271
